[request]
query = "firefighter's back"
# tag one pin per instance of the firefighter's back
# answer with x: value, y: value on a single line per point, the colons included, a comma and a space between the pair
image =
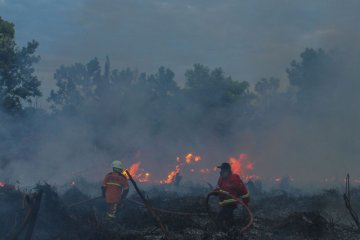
x: 114, y: 183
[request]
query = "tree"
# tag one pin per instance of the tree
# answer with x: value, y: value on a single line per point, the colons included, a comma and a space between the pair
x: 216, y: 101
x: 315, y: 76
x: 76, y: 84
x: 267, y: 93
x: 162, y: 83
x: 267, y: 87
x: 212, y: 88
x: 17, y: 80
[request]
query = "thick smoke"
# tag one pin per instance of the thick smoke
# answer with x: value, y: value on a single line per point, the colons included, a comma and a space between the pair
x: 309, y: 137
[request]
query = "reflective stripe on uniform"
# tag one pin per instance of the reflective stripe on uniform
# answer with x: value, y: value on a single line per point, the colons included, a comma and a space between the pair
x: 223, y: 191
x: 115, y: 184
x: 245, y: 196
x: 228, y: 201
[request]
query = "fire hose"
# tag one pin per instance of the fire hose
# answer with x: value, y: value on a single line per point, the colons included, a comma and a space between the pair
x: 240, y: 201
x: 251, y: 220
x: 152, y: 209
x: 148, y: 206
x: 85, y: 201
x: 169, y: 211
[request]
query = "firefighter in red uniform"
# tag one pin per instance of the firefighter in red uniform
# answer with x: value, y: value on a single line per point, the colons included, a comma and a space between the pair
x: 115, y: 188
x: 230, y: 183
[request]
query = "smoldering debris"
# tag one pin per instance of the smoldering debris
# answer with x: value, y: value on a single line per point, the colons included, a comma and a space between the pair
x: 277, y: 216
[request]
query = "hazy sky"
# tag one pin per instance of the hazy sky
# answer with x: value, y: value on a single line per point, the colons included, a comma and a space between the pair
x: 249, y: 39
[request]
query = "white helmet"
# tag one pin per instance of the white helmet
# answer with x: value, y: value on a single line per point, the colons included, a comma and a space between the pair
x: 117, y: 164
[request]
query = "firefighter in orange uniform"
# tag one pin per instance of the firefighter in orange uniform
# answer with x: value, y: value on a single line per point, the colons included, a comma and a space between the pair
x: 115, y: 188
x: 230, y: 183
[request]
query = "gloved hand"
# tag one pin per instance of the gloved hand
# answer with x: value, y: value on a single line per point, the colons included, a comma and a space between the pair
x: 246, y: 200
x: 124, y: 194
x: 103, y: 191
x: 222, y: 191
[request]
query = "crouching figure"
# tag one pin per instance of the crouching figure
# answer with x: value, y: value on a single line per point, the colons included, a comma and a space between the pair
x: 230, y: 183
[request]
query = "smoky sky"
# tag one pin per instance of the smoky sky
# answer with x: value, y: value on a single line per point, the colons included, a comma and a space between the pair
x: 249, y: 39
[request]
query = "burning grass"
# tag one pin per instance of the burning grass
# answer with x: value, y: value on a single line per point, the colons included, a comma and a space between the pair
x: 190, y: 164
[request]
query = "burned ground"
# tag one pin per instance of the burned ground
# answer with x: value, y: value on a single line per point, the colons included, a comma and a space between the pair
x: 277, y: 215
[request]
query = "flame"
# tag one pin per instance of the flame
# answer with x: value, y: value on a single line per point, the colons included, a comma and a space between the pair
x: 171, y: 176
x: 2, y: 184
x: 188, y: 158
x: 137, y: 173
x: 145, y: 177
x: 242, y: 166
x: 237, y: 164
x: 204, y: 170
x: 134, y: 168
x: 249, y: 166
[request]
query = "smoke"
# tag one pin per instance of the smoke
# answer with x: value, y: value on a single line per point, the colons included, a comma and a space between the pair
x: 250, y: 40
x: 322, y: 141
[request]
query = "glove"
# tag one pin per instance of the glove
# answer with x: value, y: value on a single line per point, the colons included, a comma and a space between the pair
x: 228, y: 201
x: 103, y: 191
x: 246, y: 201
x: 223, y: 191
x: 125, y: 193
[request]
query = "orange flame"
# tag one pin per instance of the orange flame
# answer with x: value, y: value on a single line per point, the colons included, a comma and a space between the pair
x: 249, y: 166
x: 204, y: 170
x: 236, y: 165
x: 134, y: 168
x: 171, y: 176
x: 188, y: 158
x: 242, y: 166
x: 137, y: 173
x: 144, y: 177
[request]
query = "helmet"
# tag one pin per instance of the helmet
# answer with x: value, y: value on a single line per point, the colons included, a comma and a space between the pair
x: 117, y: 164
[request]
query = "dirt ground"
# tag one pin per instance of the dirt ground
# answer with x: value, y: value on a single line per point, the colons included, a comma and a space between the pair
x: 278, y: 214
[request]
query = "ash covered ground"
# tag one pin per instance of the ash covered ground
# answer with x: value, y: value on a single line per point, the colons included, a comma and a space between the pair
x: 278, y: 214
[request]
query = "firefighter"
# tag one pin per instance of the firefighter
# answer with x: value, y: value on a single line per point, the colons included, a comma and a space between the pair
x: 115, y: 188
x: 230, y: 183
